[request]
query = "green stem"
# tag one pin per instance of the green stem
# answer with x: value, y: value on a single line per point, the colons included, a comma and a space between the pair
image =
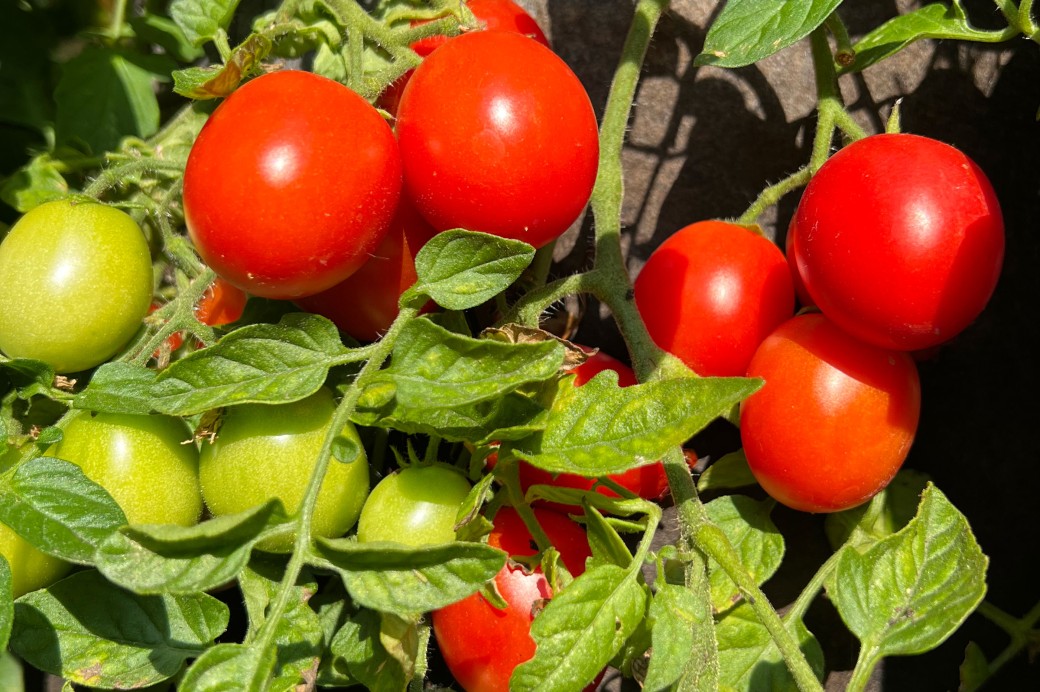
x: 711, y: 539
x: 773, y: 194
x: 866, y: 662
x: 340, y: 418
x: 1023, y: 632
x: 797, y: 610
x: 115, y: 22
x: 111, y: 177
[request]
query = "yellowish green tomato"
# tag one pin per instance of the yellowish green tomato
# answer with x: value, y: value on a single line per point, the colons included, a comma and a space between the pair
x: 75, y: 283
x: 265, y: 451
x: 142, y: 461
x: 31, y: 568
x: 415, y: 506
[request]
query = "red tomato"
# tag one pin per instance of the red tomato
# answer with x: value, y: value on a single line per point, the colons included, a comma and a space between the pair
x: 835, y: 418
x: 482, y: 645
x: 498, y: 135
x: 365, y: 303
x: 899, y: 240
x: 711, y: 293
x: 222, y: 303
x: 495, y: 15
x: 291, y: 184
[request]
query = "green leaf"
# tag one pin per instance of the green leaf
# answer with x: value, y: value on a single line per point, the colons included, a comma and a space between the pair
x: 400, y: 639
x: 105, y: 95
x: 600, y: 428
x: 434, y: 368
x: 6, y: 602
x: 607, y: 546
x: 974, y: 669
x: 357, y: 649
x: 231, y: 668
x: 298, y: 635
x: 729, y: 472
x: 910, y: 591
x: 175, y: 559
x: 394, y: 578
x: 887, y: 512
x: 201, y: 20
x: 265, y: 363
x: 217, y: 81
x: 581, y: 629
x: 38, y: 181
x: 89, y: 631
x: 748, y: 657
x: 53, y: 505
x: 935, y: 21
x: 682, y: 627
x: 165, y: 32
x: 461, y: 269
x: 515, y: 416
x: 118, y: 388
x: 747, y: 31
x: 753, y: 535
x: 28, y: 376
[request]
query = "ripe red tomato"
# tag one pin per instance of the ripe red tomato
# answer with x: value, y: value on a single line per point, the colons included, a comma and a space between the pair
x: 899, y: 240
x: 365, y: 303
x: 711, y: 293
x: 835, y: 418
x: 482, y: 645
x: 291, y: 184
x: 495, y: 15
x: 498, y: 135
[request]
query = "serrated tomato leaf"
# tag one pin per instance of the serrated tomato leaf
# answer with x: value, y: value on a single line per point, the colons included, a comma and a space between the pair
x: 432, y: 367
x: 201, y: 20
x: 461, y: 269
x: 54, y: 506
x: 269, y: 363
x: 176, y: 559
x: 753, y: 535
x: 683, y: 637
x: 748, y: 657
x: 231, y: 667
x: 934, y: 21
x: 907, y: 593
x: 581, y: 629
x: 395, y: 578
x: 89, y: 631
x: 747, y: 31
x: 600, y: 428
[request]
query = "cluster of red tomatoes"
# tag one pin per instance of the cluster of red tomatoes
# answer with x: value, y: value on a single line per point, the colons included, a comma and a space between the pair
x: 298, y: 189
x: 895, y: 248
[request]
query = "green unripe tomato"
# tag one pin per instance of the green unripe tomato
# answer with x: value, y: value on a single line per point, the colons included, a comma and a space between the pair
x: 75, y: 283
x: 415, y: 506
x: 141, y: 461
x: 265, y: 451
x: 31, y: 569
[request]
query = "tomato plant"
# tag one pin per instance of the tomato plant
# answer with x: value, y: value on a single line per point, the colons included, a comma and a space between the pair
x: 835, y: 419
x: 711, y: 292
x: 481, y: 644
x: 287, y: 190
x: 415, y: 505
x: 513, y: 151
x: 262, y: 452
x: 148, y: 464
x: 290, y: 185
x: 904, y: 266
x: 365, y: 304
x: 75, y: 283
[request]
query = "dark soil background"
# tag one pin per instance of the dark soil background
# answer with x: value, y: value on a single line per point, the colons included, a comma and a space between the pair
x: 704, y: 141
